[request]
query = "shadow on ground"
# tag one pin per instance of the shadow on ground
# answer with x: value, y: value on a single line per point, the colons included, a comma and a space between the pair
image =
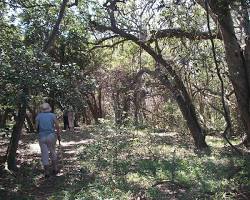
x: 29, y: 182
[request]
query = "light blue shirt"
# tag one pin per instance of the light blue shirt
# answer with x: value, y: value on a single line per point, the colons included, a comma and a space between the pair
x: 46, y: 123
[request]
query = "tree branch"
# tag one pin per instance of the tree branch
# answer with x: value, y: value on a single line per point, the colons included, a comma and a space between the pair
x: 179, y: 33
x: 24, y: 5
x: 135, y: 78
x: 56, y: 26
x: 104, y: 39
x: 226, y: 113
x: 108, y: 46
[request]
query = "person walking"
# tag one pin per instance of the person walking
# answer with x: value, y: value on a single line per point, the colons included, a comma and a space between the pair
x: 71, y: 119
x: 46, y: 123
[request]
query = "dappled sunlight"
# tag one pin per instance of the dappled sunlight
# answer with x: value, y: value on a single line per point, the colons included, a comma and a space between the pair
x: 215, y: 141
x: 162, y: 134
x: 135, y: 178
x: 34, y: 148
x: 30, y: 179
x: 81, y: 142
x: 133, y: 163
x: 148, y: 100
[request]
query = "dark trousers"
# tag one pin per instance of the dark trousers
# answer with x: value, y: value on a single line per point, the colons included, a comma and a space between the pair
x: 65, y: 122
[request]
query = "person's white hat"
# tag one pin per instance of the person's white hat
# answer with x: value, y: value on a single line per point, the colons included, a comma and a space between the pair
x: 45, y: 107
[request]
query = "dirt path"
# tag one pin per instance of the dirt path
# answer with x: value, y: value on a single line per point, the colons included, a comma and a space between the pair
x: 29, y: 182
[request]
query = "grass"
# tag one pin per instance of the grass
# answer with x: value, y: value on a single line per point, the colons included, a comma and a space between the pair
x: 127, y: 164
x: 124, y: 163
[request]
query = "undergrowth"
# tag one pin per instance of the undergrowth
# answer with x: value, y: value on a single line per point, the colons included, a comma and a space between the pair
x: 125, y: 163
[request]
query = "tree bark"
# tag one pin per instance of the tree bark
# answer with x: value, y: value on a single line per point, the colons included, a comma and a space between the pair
x: 187, y: 108
x: 3, y: 118
x: 136, y: 109
x: 91, y: 101
x: 125, y: 109
x: 237, y: 60
x: 99, y: 97
x: 116, y: 107
x: 16, y: 133
x: 51, y: 100
x: 33, y: 113
x: 30, y: 124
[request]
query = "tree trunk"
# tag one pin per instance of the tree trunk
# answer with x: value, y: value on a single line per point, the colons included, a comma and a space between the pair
x: 51, y: 100
x: 15, y: 136
x: 30, y: 124
x: 3, y: 118
x: 176, y: 84
x: 238, y: 63
x: 126, y: 108
x: 85, y: 116
x: 33, y: 113
x: 93, y: 108
x: 186, y: 106
x: 116, y: 106
x: 76, y: 121
x: 188, y: 110
x: 136, y: 108
x: 100, y: 113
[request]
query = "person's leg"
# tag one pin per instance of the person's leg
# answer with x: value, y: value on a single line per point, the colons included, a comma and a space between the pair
x: 51, y: 143
x: 44, y: 155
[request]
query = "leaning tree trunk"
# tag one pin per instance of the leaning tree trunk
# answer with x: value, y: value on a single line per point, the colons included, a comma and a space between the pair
x: 176, y: 84
x: 188, y: 111
x: 187, y: 108
x: 16, y: 133
x: 177, y: 87
x: 238, y: 63
x: 189, y: 114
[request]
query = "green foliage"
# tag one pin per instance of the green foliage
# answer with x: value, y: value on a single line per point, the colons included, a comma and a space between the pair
x: 127, y: 163
x: 48, y: 75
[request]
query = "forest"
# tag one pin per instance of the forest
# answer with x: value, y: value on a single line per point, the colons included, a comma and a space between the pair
x: 159, y: 89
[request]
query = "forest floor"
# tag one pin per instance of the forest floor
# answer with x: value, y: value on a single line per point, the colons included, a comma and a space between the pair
x: 103, y: 162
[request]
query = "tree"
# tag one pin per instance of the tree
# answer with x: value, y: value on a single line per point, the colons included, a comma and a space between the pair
x: 27, y: 72
x: 237, y: 50
x: 136, y: 31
